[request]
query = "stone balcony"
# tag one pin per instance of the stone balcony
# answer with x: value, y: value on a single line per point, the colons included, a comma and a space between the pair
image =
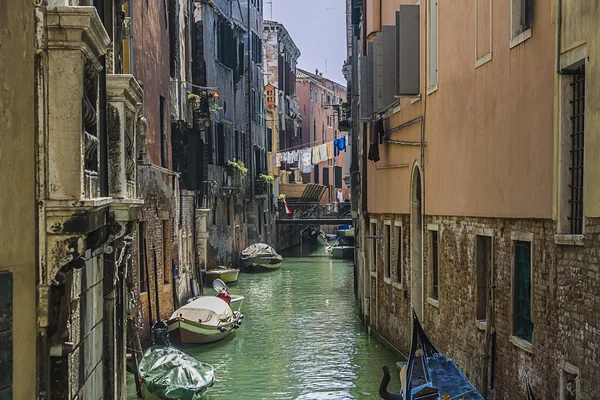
x: 76, y: 212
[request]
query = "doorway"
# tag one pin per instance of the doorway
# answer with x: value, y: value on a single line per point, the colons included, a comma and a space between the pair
x: 416, y: 240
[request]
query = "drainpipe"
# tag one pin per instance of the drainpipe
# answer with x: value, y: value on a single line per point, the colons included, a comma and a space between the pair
x: 131, y: 36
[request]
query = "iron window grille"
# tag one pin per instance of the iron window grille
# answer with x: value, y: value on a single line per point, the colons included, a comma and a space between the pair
x: 522, y: 324
x: 577, y: 145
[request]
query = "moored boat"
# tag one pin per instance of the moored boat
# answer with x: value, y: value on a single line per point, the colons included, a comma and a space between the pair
x: 206, y: 319
x: 428, y: 374
x: 343, y: 252
x: 227, y: 275
x: 260, y: 257
x: 167, y: 373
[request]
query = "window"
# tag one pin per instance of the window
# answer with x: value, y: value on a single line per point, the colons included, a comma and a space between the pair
x: 314, y: 130
x: 165, y: 250
x: 142, y: 258
x: 323, y: 132
x: 311, y: 94
x: 210, y: 144
x: 484, y: 267
x: 434, y: 264
x: 328, y: 99
x: 522, y: 324
x: 316, y: 97
x: 577, y: 146
x: 220, y: 145
x: 6, y: 334
x: 520, y: 20
x: 398, y: 254
x: 322, y: 99
x: 569, y: 382
x: 335, y: 134
x: 163, y: 131
x: 337, y: 176
x: 325, y: 176
x: 373, y: 233
x: 316, y: 173
x: 228, y: 211
x: 432, y: 47
x: 388, y: 249
x: 269, y: 138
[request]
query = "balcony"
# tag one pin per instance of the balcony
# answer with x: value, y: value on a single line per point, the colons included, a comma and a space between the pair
x: 75, y: 208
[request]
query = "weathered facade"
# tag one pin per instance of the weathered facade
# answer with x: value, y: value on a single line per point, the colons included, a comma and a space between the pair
x: 86, y: 143
x: 319, y: 102
x: 18, y: 215
x: 488, y: 230
x: 282, y: 114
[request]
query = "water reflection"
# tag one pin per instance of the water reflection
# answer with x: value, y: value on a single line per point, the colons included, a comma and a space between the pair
x: 301, y: 337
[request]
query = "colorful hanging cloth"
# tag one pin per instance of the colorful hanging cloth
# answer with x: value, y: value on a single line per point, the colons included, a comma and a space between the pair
x: 340, y: 145
x: 316, y: 155
x: 330, y: 150
x: 323, y: 152
x: 305, y: 161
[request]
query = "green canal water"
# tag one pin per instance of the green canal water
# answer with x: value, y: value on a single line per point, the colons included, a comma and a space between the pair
x: 301, y: 337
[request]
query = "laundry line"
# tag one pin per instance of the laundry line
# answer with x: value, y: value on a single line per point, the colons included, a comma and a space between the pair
x: 309, y: 144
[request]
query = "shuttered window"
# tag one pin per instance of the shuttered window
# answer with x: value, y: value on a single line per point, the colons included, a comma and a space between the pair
x: 337, y: 177
x: 6, y: 335
x: 326, y: 176
x: 407, y: 51
x: 522, y: 324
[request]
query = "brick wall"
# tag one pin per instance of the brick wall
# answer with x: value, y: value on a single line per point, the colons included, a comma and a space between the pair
x: 158, y: 213
x: 578, y: 304
x: 565, y: 299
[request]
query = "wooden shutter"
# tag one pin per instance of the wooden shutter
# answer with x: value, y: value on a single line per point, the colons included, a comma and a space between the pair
x: 408, y: 57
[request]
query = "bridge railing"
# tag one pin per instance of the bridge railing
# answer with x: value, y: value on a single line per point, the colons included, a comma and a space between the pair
x: 305, y: 210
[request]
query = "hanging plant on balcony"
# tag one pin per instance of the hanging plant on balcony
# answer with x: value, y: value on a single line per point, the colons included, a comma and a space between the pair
x: 266, y: 178
x: 239, y: 166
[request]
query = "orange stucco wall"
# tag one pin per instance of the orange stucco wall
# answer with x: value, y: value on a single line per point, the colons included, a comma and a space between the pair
x: 488, y: 130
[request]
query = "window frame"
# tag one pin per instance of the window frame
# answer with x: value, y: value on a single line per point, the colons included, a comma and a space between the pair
x: 373, y: 246
x: 434, y: 262
x: 518, y: 237
x: 432, y: 30
x: 166, y: 238
x: 488, y: 235
x: 387, y: 251
x: 398, y: 251
x: 523, y: 35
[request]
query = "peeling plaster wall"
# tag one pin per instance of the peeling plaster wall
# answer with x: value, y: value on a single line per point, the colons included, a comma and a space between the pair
x: 17, y: 197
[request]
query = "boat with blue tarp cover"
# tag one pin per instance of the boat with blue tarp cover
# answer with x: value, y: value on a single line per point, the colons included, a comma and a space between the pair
x: 428, y: 374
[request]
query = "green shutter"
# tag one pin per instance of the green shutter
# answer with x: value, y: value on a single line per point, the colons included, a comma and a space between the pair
x: 523, y: 327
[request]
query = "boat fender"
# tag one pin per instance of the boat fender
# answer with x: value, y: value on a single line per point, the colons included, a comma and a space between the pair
x: 223, y: 329
x: 239, y: 322
x: 236, y: 326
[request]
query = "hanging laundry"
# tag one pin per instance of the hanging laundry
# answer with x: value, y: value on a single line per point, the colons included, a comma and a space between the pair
x: 278, y: 161
x: 323, y: 152
x: 316, y: 155
x: 305, y: 161
x: 273, y: 160
x: 289, y: 157
x: 295, y: 156
x: 339, y: 145
x: 375, y: 138
x: 330, y: 150
x: 340, y: 196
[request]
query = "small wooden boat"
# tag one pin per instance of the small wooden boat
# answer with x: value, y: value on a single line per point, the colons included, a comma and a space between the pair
x: 260, y: 257
x: 167, y: 373
x: 227, y: 275
x: 428, y: 374
x: 204, y: 320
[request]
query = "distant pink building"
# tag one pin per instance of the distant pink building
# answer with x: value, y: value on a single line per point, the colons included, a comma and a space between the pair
x: 318, y: 101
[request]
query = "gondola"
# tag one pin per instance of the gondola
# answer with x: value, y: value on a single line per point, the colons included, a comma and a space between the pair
x: 428, y: 374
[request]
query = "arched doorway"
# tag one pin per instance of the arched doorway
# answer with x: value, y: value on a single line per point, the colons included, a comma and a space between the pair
x: 416, y: 244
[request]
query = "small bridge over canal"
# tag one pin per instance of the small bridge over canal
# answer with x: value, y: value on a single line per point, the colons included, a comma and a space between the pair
x: 307, y: 209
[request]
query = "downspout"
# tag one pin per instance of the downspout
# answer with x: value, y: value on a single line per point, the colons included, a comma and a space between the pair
x: 131, y: 38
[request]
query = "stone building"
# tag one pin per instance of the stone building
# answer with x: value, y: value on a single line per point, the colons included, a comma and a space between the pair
x: 319, y: 102
x: 73, y: 141
x: 156, y: 251
x: 489, y: 229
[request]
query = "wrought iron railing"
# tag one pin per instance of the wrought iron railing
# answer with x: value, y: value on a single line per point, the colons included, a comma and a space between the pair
x: 304, y: 210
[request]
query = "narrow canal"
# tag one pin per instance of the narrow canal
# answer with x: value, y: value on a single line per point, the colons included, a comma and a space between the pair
x: 301, y: 337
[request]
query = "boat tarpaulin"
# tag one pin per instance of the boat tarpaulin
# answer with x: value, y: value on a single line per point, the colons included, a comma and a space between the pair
x: 258, y: 250
x: 168, y: 373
